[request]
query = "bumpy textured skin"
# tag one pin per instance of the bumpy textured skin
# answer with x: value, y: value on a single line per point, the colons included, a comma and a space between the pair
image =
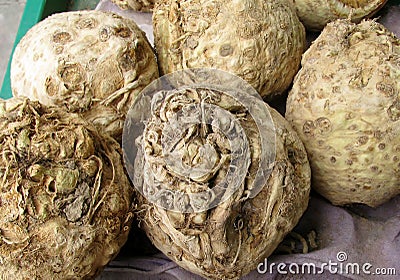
x: 230, y: 240
x: 315, y: 14
x: 136, y: 5
x: 66, y: 202
x: 345, y: 107
x: 257, y: 40
x: 91, y: 62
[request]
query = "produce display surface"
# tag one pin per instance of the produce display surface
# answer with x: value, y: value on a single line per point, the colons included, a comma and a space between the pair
x: 330, y: 240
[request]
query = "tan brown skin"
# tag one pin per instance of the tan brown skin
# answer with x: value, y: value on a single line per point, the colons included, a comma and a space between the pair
x: 259, y: 41
x: 344, y: 105
x: 66, y: 202
x: 315, y: 14
x: 89, y: 62
x: 230, y: 240
x: 136, y: 5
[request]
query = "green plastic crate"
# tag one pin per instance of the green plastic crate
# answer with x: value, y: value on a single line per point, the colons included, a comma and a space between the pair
x: 34, y: 12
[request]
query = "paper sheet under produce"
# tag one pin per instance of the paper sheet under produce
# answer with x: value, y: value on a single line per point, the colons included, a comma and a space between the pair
x: 356, y: 243
x: 353, y: 243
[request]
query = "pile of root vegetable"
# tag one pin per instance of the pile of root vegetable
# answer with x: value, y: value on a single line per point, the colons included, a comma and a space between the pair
x: 210, y: 142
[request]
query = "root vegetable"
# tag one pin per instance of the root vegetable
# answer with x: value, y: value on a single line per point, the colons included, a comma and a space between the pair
x: 345, y: 107
x: 66, y: 202
x: 315, y: 14
x: 208, y: 201
x: 91, y: 62
x: 260, y: 41
x: 136, y: 5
